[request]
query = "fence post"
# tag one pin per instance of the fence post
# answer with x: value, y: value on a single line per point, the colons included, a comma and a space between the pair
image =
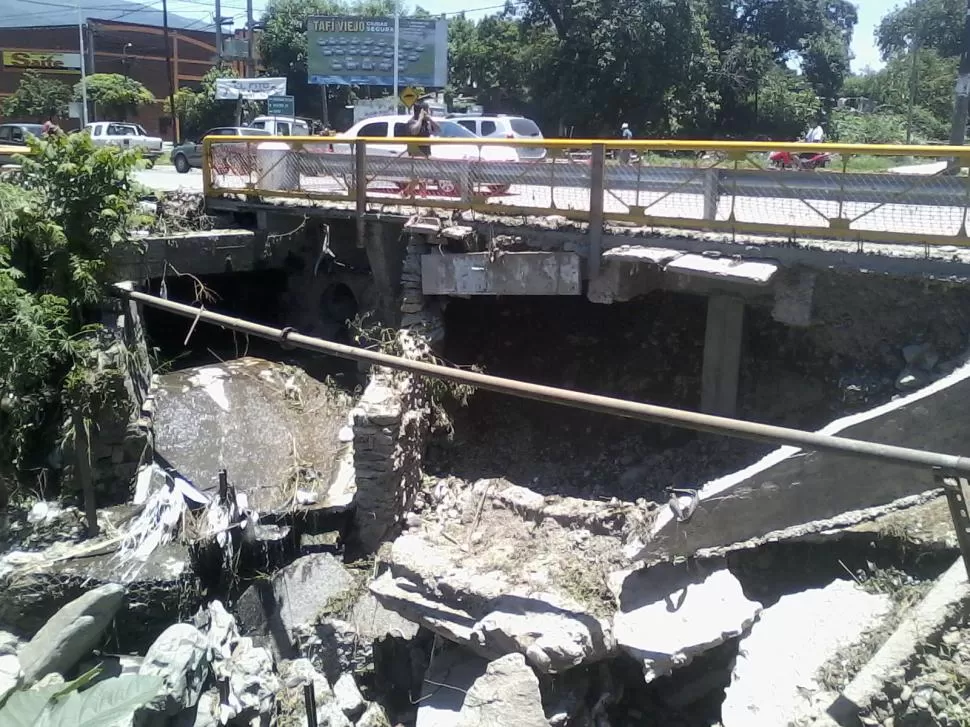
x: 712, y: 193
x: 360, y: 189
x: 206, y: 167
x: 596, y: 189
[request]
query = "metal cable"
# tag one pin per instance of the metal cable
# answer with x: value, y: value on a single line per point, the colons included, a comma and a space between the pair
x: 949, y: 464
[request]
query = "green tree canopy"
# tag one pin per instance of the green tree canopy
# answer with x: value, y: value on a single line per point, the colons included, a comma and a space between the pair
x: 936, y: 24
x: 114, y: 94
x: 38, y: 96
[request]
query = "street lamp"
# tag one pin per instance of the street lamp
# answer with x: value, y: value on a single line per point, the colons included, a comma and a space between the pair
x: 124, y: 59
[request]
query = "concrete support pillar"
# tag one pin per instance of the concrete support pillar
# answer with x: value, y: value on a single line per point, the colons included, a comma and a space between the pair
x: 722, y: 355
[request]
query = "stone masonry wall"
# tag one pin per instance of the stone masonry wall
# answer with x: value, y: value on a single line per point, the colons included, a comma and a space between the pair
x: 391, y: 421
x: 120, y: 435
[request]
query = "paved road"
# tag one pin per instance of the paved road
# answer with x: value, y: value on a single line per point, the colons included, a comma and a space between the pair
x: 164, y: 178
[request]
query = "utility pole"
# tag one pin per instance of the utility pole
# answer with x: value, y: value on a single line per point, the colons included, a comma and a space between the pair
x: 218, y: 32
x: 171, y: 72
x: 84, y: 79
x: 913, y: 83
x: 251, y: 50
x: 961, y: 96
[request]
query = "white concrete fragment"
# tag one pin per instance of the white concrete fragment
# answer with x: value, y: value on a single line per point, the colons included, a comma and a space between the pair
x: 211, y: 379
x: 640, y: 254
x: 348, y: 696
x: 949, y: 594
x: 751, y: 272
x: 672, y: 612
x: 774, y: 681
x: 10, y: 675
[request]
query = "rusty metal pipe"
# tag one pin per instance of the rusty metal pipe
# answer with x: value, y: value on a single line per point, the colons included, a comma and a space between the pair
x: 947, y: 463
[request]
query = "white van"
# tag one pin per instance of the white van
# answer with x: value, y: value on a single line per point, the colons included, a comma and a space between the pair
x: 281, y: 125
x: 505, y: 127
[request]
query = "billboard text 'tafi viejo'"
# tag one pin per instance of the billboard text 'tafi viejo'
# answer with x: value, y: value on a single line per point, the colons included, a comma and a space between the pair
x: 358, y: 50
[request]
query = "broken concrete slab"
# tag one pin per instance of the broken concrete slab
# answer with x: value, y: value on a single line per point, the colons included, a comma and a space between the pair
x: 507, y: 693
x: 506, y: 273
x: 446, y: 687
x: 486, y: 612
x: 793, y: 492
x: 775, y: 678
x: 159, y: 589
x: 672, y: 612
x: 275, y: 426
x: 944, y: 601
x: 725, y: 269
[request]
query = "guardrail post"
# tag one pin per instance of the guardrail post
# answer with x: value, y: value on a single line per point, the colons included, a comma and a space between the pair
x: 712, y: 193
x: 360, y: 189
x: 206, y: 167
x: 596, y: 189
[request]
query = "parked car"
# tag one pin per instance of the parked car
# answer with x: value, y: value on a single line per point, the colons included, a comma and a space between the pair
x: 126, y: 135
x: 16, y: 134
x: 281, y: 125
x: 506, y: 127
x: 188, y: 154
x: 396, y: 127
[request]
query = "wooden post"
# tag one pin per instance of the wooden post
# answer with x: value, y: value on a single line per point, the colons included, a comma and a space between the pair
x: 597, y: 176
x: 82, y: 457
x: 360, y: 190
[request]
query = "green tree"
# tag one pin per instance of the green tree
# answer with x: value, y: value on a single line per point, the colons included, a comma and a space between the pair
x: 60, y: 225
x: 935, y: 24
x: 199, y: 111
x: 38, y: 96
x: 114, y: 94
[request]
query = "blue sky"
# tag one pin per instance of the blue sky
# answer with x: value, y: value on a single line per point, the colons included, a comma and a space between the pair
x: 863, y: 43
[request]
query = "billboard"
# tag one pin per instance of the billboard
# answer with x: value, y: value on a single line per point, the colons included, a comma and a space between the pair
x: 42, y: 61
x: 249, y: 89
x: 356, y: 50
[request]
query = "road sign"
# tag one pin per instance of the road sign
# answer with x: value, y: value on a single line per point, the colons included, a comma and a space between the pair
x: 409, y: 96
x: 280, y: 106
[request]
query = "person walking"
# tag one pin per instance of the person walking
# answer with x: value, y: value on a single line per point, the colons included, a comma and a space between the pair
x: 420, y: 126
x: 627, y: 135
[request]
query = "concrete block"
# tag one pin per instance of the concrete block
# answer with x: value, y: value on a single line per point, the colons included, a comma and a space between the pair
x: 726, y: 269
x: 671, y: 612
x: 774, y: 681
x: 639, y: 254
x: 511, y: 273
x: 793, y: 492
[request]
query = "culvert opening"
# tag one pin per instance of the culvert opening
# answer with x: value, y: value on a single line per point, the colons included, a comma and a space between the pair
x: 338, y: 308
x: 258, y: 296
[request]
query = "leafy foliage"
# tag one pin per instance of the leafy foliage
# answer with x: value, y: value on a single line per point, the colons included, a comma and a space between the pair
x: 114, y: 94
x: 38, y: 96
x: 59, y: 227
x: 106, y: 702
x: 935, y: 24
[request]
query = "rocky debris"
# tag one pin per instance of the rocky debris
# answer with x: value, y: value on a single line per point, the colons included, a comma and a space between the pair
x: 179, y: 657
x: 252, y: 683
x: 465, y: 691
x: 348, y: 696
x: 485, y: 612
x: 374, y: 716
x: 297, y: 673
x: 9, y: 643
x: 284, y: 609
x: 671, y: 612
x: 501, y: 569
x: 71, y: 633
x: 776, y: 677
x: 160, y: 589
x: 10, y: 675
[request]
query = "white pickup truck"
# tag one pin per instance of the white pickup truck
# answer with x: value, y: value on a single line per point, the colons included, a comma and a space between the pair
x: 126, y: 135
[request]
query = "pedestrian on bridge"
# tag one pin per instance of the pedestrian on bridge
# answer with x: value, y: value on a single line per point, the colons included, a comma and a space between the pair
x: 627, y: 135
x: 420, y: 125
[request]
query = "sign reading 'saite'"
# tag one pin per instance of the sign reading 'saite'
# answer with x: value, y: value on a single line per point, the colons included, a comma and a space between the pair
x: 42, y: 60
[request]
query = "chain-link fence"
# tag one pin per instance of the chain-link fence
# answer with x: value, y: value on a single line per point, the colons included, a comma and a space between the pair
x: 738, y: 189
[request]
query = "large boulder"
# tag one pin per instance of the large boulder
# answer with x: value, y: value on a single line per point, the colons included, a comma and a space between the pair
x: 71, y: 633
x: 179, y: 657
x: 276, y: 611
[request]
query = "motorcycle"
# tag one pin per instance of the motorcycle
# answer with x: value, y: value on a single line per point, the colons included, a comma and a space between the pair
x: 808, y: 160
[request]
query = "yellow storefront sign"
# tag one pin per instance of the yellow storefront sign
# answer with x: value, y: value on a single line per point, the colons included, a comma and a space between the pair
x: 54, y: 62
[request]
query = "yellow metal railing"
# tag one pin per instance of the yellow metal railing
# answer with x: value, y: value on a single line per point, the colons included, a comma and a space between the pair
x: 728, y: 187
